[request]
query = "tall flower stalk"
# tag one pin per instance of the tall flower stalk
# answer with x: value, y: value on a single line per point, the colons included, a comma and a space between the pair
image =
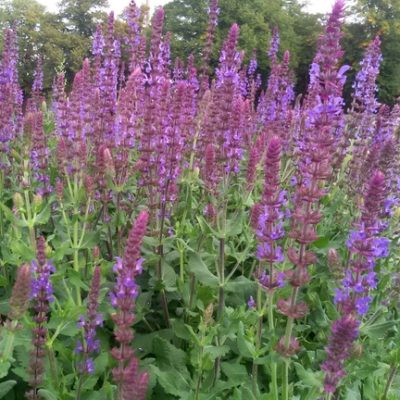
x: 269, y: 231
x: 42, y: 293
x: 132, y: 384
x: 323, y: 109
x: 365, y: 246
x: 90, y: 344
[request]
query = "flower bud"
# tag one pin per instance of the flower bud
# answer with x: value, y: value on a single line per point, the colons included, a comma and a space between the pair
x: 357, y: 350
x: 18, y: 200
x: 96, y: 252
x: 20, y: 296
x: 37, y: 200
x: 208, y: 313
x: 333, y: 260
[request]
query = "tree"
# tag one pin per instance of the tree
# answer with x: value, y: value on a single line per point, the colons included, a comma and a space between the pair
x: 379, y: 17
x: 187, y: 20
x: 48, y: 36
x: 82, y: 16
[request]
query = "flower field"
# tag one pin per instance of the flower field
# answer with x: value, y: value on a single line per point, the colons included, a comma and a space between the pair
x: 176, y: 229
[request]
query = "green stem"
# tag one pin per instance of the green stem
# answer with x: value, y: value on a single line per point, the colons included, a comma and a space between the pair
x: 271, y: 326
x: 221, y: 270
x: 164, y: 300
x: 389, y: 382
x: 53, y: 367
x: 285, y: 386
x: 181, y: 265
x: 31, y: 228
x: 260, y: 310
x: 9, y: 345
x: 288, y: 336
x: 76, y: 260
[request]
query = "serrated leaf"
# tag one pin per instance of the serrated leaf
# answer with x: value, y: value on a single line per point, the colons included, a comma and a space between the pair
x: 309, y: 378
x: 234, y: 227
x: 11, y: 217
x: 44, y: 216
x: 216, y: 351
x: 240, y: 284
x: 246, y: 348
x: 170, y: 355
x: 202, y: 273
x: 234, y: 372
x: 378, y: 330
x: 90, y: 240
x: 169, y: 277
x: 172, y: 381
x: 47, y: 395
x: 5, y: 387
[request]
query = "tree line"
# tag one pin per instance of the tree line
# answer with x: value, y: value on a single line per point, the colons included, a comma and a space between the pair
x: 62, y: 39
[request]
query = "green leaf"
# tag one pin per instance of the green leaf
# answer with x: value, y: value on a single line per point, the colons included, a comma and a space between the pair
x: 5, y: 387
x: 202, y: 273
x: 11, y: 217
x: 169, y: 355
x: 216, y: 351
x: 44, y: 216
x: 172, y: 381
x: 90, y: 240
x: 378, y: 330
x: 241, y: 285
x: 25, y: 252
x: 246, y: 348
x: 322, y: 242
x: 169, y: 277
x: 234, y: 372
x: 234, y: 227
x: 47, y: 395
x: 309, y: 378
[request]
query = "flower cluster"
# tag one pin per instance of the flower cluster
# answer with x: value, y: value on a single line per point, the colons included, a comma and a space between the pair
x: 269, y: 228
x: 10, y: 92
x: 130, y: 381
x: 90, y: 343
x: 353, y: 299
x: 42, y: 294
x: 322, y: 110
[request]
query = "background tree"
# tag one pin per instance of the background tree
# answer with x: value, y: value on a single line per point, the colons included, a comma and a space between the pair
x: 187, y: 21
x: 82, y: 16
x: 372, y: 17
x: 53, y: 37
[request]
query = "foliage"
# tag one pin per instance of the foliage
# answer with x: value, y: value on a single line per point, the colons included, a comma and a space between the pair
x: 168, y: 233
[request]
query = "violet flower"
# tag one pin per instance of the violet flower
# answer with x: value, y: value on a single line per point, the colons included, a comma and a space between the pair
x: 363, y: 122
x: 90, y: 343
x: 40, y: 155
x: 344, y: 333
x: 365, y: 246
x: 21, y: 293
x: 353, y: 298
x: 123, y: 297
x: 42, y: 294
x: 213, y: 12
x: 10, y: 93
x: 270, y: 217
x: 323, y: 108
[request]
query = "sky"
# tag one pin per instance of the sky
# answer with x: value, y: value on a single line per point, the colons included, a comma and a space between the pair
x: 316, y: 6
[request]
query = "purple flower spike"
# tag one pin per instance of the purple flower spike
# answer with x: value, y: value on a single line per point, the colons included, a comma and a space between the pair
x: 131, y: 383
x: 42, y: 295
x: 354, y: 298
x: 89, y: 324
x: 344, y: 333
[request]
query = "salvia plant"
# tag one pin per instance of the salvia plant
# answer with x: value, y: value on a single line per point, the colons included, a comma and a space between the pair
x: 174, y: 230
